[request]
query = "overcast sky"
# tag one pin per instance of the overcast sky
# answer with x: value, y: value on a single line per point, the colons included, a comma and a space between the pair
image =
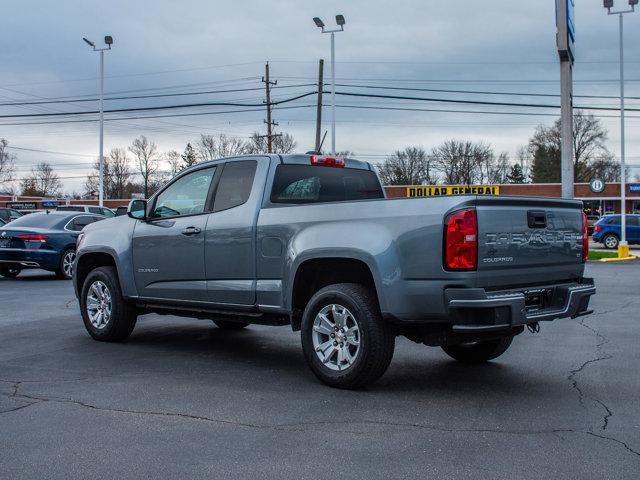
x: 187, y: 46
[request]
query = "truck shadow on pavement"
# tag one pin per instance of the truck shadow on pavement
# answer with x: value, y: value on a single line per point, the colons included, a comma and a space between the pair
x: 268, y: 355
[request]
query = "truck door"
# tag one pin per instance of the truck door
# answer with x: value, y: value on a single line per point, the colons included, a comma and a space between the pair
x: 168, y: 249
x: 230, y: 240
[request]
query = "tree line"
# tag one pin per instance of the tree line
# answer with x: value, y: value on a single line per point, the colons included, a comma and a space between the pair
x: 461, y: 162
x: 140, y: 168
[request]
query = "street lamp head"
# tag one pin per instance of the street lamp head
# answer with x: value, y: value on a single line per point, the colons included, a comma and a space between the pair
x: 608, y: 4
x: 89, y: 42
x: 108, y: 40
x: 319, y: 23
x: 633, y: 3
x: 340, y: 20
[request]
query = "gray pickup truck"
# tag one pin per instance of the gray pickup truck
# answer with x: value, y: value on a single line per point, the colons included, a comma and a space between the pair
x: 311, y: 241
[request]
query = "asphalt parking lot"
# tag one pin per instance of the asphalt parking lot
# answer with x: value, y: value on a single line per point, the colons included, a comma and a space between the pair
x: 182, y: 399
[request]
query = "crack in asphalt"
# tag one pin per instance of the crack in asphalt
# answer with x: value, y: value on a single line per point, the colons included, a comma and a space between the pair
x: 602, y: 340
x: 302, y: 426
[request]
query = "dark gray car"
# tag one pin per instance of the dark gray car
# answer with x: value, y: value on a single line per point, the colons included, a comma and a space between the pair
x: 312, y: 242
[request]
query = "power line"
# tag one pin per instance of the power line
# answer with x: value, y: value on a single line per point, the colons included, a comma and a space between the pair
x: 138, y: 97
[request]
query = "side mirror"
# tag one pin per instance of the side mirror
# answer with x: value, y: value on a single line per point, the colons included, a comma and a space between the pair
x: 137, y: 209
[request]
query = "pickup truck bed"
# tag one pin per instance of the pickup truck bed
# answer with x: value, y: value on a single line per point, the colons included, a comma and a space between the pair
x: 310, y: 241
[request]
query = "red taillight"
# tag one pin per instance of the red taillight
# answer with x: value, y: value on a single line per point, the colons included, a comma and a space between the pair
x: 585, y: 237
x: 598, y: 228
x: 461, y: 241
x: 324, y: 161
x: 33, y: 238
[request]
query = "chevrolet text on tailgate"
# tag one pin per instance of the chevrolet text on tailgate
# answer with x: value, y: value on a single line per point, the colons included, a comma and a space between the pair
x: 311, y: 241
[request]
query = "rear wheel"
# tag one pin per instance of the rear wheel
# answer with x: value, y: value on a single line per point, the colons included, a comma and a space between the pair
x: 611, y: 241
x: 10, y: 272
x: 478, y: 352
x: 345, y: 340
x: 230, y: 325
x: 106, y: 315
x: 65, y: 268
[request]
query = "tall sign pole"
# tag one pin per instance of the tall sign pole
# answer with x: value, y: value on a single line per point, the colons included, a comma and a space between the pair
x: 565, y: 37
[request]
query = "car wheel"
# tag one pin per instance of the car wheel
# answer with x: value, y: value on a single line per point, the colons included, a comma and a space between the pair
x: 106, y: 315
x: 67, y: 260
x: 10, y: 272
x: 611, y: 241
x: 230, y: 325
x: 345, y: 340
x: 478, y: 352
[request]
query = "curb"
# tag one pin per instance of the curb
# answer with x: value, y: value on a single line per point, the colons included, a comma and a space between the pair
x: 624, y: 259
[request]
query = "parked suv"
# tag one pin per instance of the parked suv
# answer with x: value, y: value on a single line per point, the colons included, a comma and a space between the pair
x: 608, y: 230
x: 104, y: 211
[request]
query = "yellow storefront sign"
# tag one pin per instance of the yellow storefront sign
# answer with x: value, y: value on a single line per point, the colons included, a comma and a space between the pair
x: 443, y: 190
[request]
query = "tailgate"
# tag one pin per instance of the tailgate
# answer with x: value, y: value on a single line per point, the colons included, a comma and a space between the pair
x: 528, y: 241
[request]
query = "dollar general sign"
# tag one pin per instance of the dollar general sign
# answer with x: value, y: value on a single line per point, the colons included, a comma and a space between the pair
x: 443, y: 190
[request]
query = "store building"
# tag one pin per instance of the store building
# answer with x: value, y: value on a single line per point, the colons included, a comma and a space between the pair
x: 596, y: 203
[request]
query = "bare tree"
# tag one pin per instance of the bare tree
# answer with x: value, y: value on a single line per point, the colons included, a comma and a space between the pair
x: 462, y: 162
x: 283, y: 143
x: 589, y: 137
x: 411, y: 166
x: 496, y: 170
x: 116, y: 175
x: 211, y: 147
x: 147, y: 163
x: 174, y: 159
x: 42, y: 182
x: 7, y: 163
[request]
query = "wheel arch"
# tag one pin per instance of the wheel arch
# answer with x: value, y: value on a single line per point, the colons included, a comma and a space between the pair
x: 88, y: 261
x: 313, y: 272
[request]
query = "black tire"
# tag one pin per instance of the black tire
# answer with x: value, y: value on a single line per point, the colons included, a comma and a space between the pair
x: 478, y: 352
x: 230, y: 325
x: 123, y: 314
x: 63, y: 272
x: 376, y: 337
x: 610, y: 241
x: 10, y: 272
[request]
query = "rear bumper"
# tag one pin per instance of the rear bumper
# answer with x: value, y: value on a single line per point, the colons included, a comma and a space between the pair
x: 474, y: 310
x: 14, y: 257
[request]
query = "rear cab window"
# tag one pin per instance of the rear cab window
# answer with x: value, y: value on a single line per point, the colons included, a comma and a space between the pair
x: 300, y: 184
x: 235, y: 184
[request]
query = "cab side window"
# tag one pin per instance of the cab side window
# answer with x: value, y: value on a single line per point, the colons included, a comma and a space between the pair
x: 235, y: 184
x: 186, y: 196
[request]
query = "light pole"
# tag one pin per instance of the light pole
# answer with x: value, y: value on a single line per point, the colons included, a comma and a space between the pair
x: 320, y: 24
x: 108, y: 40
x: 623, y: 247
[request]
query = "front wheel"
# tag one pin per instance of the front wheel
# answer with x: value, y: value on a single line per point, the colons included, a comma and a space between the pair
x: 9, y: 272
x: 345, y: 340
x: 478, y: 352
x: 106, y: 315
x: 611, y: 241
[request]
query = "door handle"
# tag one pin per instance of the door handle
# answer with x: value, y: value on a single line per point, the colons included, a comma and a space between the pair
x: 191, y: 231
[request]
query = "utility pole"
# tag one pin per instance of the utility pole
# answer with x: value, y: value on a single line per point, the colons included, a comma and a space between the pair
x: 270, y: 123
x: 319, y: 108
x: 565, y: 37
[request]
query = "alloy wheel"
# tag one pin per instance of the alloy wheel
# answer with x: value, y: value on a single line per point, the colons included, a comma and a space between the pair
x: 336, y: 337
x: 67, y: 263
x: 99, y: 304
